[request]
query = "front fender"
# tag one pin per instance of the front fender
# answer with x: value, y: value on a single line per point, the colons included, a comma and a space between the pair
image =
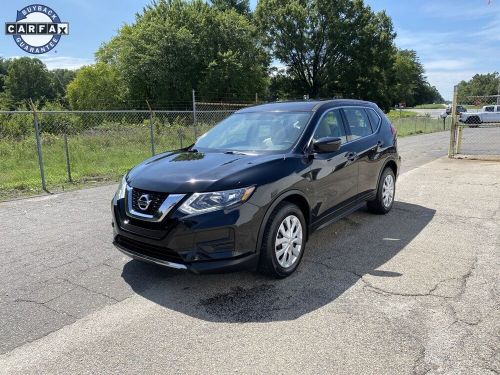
x: 271, y: 208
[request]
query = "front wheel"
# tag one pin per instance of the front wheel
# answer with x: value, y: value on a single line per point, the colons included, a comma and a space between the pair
x: 284, y: 241
x: 386, y: 189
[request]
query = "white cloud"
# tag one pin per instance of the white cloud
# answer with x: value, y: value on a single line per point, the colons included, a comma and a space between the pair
x: 448, y: 64
x: 60, y: 62
x: 445, y: 80
x: 65, y: 62
x: 456, y: 55
x: 490, y: 31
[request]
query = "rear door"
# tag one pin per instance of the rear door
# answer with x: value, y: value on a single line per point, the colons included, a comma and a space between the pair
x: 366, y: 143
x: 334, y: 175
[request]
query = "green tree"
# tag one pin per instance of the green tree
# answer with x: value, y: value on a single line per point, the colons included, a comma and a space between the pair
x: 175, y: 46
x: 60, y: 78
x: 479, y: 85
x: 426, y: 93
x: 96, y: 86
x: 331, y: 47
x: 28, y: 78
x: 410, y: 83
x: 408, y: 73
x: 240, y: 6
x: 4, y: 65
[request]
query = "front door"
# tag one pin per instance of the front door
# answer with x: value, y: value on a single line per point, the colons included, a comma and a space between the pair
x: 334, y: 175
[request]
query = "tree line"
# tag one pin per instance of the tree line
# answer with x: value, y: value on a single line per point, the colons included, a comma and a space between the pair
x: 285, y: 49
x: 479, y: 85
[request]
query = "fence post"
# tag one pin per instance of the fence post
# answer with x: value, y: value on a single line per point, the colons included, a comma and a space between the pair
x: 151, y: 130
x: 453, y: 128
x: 194, y: 115
x: 459, y: 140
x: 38, y: 146
x: 66, y: 152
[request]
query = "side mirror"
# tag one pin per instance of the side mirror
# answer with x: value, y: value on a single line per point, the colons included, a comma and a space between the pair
x: 327, y: 144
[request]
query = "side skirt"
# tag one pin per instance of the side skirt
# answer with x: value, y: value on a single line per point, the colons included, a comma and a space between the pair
x: 341, y: 212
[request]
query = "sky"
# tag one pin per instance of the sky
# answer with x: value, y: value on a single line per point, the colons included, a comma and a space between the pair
x: 454, y: 39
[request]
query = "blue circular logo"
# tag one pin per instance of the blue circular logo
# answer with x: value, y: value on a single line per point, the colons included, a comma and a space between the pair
x: 37, y: 29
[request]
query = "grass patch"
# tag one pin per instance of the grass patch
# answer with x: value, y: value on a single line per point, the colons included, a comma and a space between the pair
x: 430, y: 106
x: 420, y: 125
x: 396, y: 113
x: 95, y: 157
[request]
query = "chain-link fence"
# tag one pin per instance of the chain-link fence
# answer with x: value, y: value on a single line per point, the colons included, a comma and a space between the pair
x: 420, y: 125
x: 475, y: 133
x: 60, y: 150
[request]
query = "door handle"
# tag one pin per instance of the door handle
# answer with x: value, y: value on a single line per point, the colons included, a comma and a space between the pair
x: 351, y: 156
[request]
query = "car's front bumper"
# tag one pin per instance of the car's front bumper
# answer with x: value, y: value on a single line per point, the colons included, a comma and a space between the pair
x: 245, y: 262
x: 213, y: 242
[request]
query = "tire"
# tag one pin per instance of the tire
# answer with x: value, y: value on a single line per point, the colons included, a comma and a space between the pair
x: 473, y: 121
x: 271, y: 262
x: 384, y: 199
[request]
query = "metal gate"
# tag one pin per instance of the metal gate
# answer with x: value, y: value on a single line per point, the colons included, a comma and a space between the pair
x: 475, y: 129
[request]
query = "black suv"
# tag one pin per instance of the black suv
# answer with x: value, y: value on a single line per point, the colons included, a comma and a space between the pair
x: 250, y: 192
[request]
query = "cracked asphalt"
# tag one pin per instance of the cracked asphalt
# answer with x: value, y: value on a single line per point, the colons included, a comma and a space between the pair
x: 412, y: 292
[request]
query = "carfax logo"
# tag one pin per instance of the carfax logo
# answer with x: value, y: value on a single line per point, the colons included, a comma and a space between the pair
x: 37, y: 29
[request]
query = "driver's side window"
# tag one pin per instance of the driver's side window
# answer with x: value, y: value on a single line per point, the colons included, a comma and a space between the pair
x: 331, y: 125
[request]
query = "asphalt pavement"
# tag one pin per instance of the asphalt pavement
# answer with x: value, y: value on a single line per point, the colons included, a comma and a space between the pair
x: 415, y: 291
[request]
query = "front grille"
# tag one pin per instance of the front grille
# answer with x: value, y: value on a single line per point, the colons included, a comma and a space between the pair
x: 156, y: 201
x: 152, y: 251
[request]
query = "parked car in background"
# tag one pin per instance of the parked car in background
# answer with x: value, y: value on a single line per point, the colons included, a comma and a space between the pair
x: 488, y: 114
x: 250, y: 192
x: 447, y: 112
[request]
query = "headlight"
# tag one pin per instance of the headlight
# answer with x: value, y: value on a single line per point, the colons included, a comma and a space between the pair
x: 199, y: 203
x: 120, y: 193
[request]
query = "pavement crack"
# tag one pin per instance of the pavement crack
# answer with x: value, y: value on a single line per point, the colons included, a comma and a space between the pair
x: 45, y: 306
x: 360, y: 276
x: 89, y: 290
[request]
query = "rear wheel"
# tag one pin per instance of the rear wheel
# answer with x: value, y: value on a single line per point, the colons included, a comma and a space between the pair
x: 283, y: 242
x: 384, y: 200
x: 473, y: 121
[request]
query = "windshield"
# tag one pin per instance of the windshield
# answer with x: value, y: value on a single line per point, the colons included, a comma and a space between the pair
x: 255, y: 131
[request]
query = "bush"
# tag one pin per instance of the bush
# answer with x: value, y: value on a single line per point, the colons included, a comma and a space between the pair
x: 55, y: 122
x: 16, y: 126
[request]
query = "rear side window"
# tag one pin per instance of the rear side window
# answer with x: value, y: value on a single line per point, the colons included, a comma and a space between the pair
x: 374, y: 118
x: 358, y: 122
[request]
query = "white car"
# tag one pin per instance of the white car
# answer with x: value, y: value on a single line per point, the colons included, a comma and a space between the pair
x: 489, y: 114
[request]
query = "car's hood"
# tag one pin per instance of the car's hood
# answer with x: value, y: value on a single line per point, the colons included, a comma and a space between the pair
x: 186, y: 172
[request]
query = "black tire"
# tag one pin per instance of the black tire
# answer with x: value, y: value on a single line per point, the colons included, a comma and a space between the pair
x: 268, y: 263
x: 473, y: 121
x: 377, y: 205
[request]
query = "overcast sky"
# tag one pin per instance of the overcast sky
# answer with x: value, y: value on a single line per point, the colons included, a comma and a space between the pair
x: 455, y: 39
